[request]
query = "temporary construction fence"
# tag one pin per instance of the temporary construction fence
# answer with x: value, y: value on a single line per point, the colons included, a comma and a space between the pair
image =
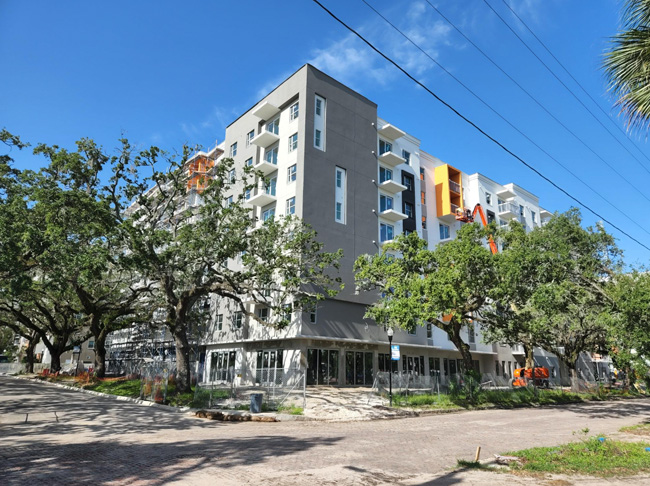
x: 280, y: 388
x: 18, y: 368
x: 157, y: 378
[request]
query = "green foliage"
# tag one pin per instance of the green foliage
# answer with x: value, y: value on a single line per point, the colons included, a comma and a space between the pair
x: 626, y: 64
x: 591, y: 456
x: 290, y: 409
x: 423, y: 285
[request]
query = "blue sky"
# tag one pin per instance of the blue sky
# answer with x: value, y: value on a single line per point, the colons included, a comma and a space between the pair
x: 167, y: 73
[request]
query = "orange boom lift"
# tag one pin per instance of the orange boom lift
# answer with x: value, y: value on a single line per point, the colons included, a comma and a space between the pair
x: 467, y: 216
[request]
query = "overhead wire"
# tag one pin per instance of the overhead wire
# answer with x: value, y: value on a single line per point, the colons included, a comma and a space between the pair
x: 476, y: 127
x: 566, y: 70
x: 514, y: 127
x: 576, y: 98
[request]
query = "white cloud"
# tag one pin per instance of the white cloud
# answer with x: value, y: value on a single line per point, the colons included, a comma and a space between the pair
x: 354, y: 63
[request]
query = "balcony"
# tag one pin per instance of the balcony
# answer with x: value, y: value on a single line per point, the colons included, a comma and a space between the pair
x: 266, y: 111
x: 544, y: 214
x: 391, y: 186
x: 508, y: 210
x: 391, y: 132
x: 265, y: 139
x: 454, y: 186
x: 269, y: 163
x: 506, y: 193
x: 390, y: 159
x: 263, y: 196
x: 392, y: 215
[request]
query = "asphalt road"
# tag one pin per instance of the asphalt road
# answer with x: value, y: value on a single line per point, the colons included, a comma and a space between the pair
x: 103, y: 441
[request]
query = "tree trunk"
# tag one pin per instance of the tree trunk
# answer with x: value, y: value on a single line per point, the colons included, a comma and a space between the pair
x: 29, y: 352
x: 530, y: 356
x: 55, y: 364
x: 183, y: 383
x: 462, y: 346
x: 100, y: 355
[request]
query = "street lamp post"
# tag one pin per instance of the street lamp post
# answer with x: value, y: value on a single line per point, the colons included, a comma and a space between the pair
x: 390, y: 370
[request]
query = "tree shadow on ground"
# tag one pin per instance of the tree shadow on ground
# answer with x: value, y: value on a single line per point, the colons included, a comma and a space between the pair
x: 106, y: 462
x: 610, y: 409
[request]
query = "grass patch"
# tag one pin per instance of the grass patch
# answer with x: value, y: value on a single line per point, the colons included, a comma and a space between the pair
x: 640, y: 429
x: 592, y: 457
x: 290, y: 409
x: 513, y: 398
x: 122, y: 388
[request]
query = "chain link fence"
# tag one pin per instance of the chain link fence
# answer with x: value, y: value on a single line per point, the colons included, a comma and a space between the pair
x: 281, y: 388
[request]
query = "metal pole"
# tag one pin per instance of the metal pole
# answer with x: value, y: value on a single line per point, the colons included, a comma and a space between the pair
x: 390, y: 371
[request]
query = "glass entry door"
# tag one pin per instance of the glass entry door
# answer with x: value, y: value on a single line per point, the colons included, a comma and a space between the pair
x: 358, y: 368
x: 322, y: 366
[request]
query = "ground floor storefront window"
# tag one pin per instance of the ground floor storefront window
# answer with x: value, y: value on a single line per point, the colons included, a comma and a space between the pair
x: 222, y: 366
x: 413, y: 364
x: 270, y: 367
x: 385, y: 363
x: 358, y: 368
x: 322, y: 366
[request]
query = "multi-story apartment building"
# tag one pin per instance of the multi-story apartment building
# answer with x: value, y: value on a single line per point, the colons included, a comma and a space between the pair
x: 359, y: 181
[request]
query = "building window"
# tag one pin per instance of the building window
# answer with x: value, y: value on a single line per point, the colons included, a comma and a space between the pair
x: 293, y: 111
x: 407, y: 180
x: 533, y: 217
x: 384, y: 146
x: 249, y: 137
x: 291, y: 205
x: 424, y: 222
x: 229, y: 201
x: 421, y: 174
x: 491, y: 217
x: 471, y: 335
x: 429, y: 331
x: 409, y: 210
x: 231, y: 176
x: 247, y: 196
x: 268, y: 214
x: 385, y: 175
x: 423, y: 197
x: 488, y: 198
x: 293, y: 142
x: 406, y: 156
x: 91, y: 344
x: 385, y: 203
x: 269, y: 367
x: 271, y: 155
x: 319, y: 124
x: 263, y: 313
x: 407, y: 232
x: 521, y: 211
x: 249, y: 162
x: 340, y: 195
x: 386, y: 232
x: 238, y: 319
x: 233, y: 149
x: 219, y: 322
x: 291, y: 173
x: 269, y: 186
x: 444, y: 231
x: 273, y: 126
x: 222, y: 366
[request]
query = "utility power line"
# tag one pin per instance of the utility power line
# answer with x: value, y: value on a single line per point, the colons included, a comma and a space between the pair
x: 576, y: 81
x: 576, y: 98
x: 514, y: 127
x: 476, y: 127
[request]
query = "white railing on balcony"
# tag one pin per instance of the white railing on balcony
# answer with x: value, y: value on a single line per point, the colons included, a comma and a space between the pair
x: 508, y: 207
